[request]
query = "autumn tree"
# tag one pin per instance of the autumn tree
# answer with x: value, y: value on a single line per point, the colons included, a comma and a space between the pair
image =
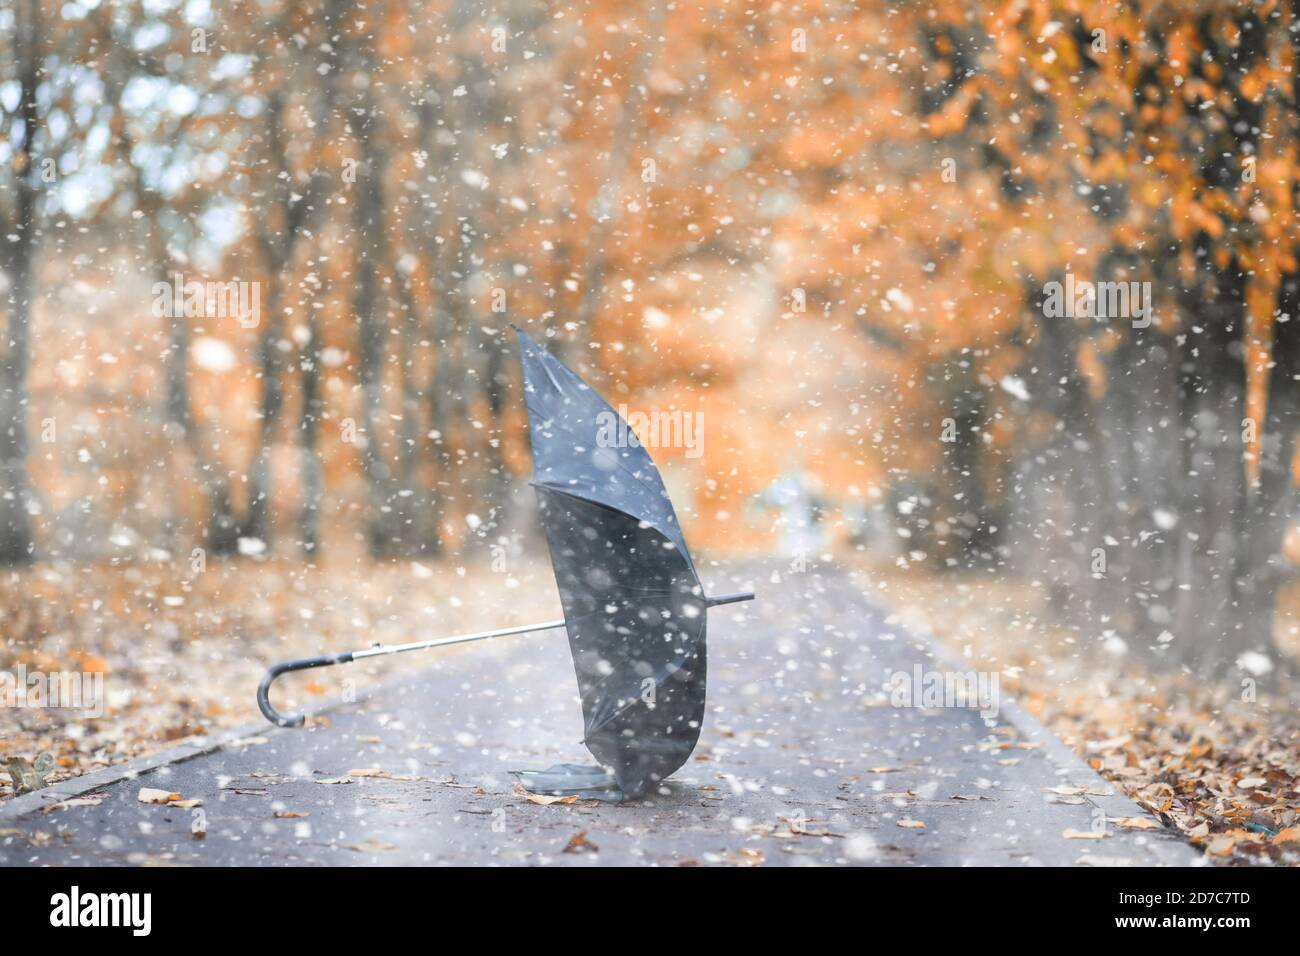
x: 1146, y: 490
x: 20, y: 132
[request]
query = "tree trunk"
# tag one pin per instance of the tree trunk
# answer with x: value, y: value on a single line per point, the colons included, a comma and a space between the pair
x: 370, y: 224
x: 409, y: 503
x: 220, y: 531
x: 15, y: 522
x: 1059, y: 521
x: 494, y: 385
x: 964, y: 454
x: 16, y: 544
x: 1264, y: 567
x: 1137, y: 425
x: 309, y: 433
x: 258, y: 523
x: 1213, y: 508
x: 439, y: 415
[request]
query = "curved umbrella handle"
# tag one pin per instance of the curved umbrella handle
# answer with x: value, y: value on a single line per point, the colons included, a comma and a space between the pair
x: 275, y: 670
x: 377, y: 650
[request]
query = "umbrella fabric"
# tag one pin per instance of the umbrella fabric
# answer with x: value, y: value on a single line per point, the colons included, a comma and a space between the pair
x: 633, y: 605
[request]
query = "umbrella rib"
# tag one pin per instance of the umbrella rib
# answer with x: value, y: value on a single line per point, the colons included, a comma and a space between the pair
x: 679, y: 543
x: 635, y: 700
x: 659, y: 492
x: 531, y: 398
x: 617, y: 713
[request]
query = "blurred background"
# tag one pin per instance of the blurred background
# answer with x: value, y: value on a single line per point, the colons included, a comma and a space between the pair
x: 259, y: 260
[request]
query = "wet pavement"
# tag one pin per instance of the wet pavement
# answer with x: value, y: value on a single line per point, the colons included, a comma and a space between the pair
x: 803, y: 760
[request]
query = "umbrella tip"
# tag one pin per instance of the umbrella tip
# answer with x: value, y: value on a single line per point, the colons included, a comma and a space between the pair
x: 736, y: 598
x: 526, y: 341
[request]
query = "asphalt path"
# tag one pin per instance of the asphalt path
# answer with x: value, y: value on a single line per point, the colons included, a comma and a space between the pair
x: 806, y: 758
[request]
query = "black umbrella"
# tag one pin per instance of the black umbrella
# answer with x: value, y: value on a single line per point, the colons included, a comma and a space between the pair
x: 634, y: 609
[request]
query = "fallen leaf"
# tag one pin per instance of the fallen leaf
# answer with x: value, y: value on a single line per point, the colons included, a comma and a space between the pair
x: 802, y: 826
x: 1085, y: 834
x: 541, y: 799
x: 578, y: 843
x: 1251, y: 783
x: 92, y: 801
x: 185, y: 804
x: 1089, y: 860
x: 372, y: 846
x: 1222, y: 845
x: 1289, y: 835
x: 151, y: 795
x: 910, y: 824
x: 546, y: 800
x: 336, y: 780
x: 91, y: 663
x: 376, y: 773
x: 1136, y: 823
x: 290, y: 815
x: 183, y: 730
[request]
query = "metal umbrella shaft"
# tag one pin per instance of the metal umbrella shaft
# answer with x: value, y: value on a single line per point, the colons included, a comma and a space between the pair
x: 380, y: 650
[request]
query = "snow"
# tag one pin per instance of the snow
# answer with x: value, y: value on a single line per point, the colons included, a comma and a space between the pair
x: 655, y: 318
x: 213, y: 355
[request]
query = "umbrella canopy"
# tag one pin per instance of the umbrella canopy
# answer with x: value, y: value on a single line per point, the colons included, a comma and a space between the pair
x: 634, y: 609
x: 633, y: 605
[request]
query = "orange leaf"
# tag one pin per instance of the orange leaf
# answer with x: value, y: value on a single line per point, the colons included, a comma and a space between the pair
x: 1289, y: 835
